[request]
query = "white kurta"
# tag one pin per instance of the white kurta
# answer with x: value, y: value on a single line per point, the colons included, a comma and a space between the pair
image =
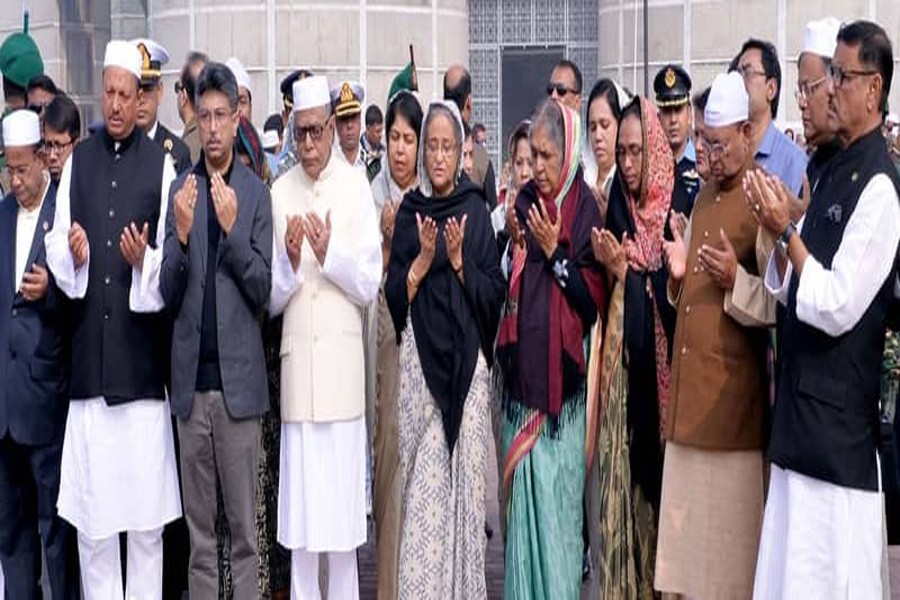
x: 822, y: 540
x: 26, y: 225
x: 322, y: 488
x: 118, y: 468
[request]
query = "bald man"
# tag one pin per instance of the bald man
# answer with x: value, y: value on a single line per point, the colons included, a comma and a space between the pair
x: 458, y: 89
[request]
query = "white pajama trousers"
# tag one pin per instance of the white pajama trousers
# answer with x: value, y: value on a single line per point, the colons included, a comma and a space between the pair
x: 101, y: 567
x: 343, y: 580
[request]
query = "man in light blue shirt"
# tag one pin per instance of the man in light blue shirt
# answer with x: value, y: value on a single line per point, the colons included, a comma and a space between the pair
x: 757, y: 62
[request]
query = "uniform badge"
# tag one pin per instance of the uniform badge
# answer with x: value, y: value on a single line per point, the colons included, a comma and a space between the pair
x: 167, y: 145
x: 692, y: 174
x: 854, y: 176
x: 835, y: 213
x: 45, y: 226
x: 670, y: 78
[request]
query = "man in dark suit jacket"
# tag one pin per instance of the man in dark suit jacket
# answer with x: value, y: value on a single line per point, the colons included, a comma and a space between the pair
x: 155, y: 56
x: 34, y: 394
x: 216, y: 279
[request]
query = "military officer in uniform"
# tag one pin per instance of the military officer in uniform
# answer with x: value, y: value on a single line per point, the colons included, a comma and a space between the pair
x: 154, y: 56
x: 346, y: 102
x: 672, y: 86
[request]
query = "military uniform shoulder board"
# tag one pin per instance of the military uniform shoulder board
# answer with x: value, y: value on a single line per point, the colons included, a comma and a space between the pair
x: 168, y: 144
x: 691, y: 174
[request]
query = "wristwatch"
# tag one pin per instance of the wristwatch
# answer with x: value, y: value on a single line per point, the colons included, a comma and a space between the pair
x: 785, y: 239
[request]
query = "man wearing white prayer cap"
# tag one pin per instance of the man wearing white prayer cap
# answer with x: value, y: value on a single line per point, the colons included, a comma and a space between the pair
x: 153, y: 58
x: 712, y: 491
x: 835, y: 272
x: 118, y: 472
x: 33, y: 367
x: 819, y: 42
x: 326, y: 267
x: 245, y: 87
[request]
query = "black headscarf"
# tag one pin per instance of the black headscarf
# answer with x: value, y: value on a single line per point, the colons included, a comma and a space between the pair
x: 451, y: 321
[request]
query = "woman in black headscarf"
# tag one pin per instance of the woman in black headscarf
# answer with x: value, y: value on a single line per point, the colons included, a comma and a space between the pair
x: 444, y: 291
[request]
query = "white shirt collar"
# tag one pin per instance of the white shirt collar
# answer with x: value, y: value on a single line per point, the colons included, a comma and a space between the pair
x: 151, y: 133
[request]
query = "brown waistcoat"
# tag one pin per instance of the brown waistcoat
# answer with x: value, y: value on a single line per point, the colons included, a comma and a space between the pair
x: 717, y: 396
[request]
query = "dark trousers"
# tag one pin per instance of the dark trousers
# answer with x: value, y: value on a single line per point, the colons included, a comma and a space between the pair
x: 29, y: 487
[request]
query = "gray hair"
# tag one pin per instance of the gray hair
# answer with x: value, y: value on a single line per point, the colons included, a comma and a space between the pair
x: 549, y: 117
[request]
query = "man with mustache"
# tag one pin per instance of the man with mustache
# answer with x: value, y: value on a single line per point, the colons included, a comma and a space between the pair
x: 118, y: 470
x: 672, y: 85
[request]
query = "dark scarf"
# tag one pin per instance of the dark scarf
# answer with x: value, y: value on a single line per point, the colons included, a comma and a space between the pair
x: 543, y: 334
x: 451, y: 321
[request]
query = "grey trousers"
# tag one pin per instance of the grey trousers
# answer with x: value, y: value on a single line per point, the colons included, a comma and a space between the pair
x: 213, y: 445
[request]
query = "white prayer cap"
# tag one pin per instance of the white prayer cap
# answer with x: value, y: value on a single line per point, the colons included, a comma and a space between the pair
x: 269, y: 139
x: 21, y: 128
x: 240, y: 73
x: 311, y: 92
x: 728, y: 102
x: 120, y: 53
x: 820, y: 37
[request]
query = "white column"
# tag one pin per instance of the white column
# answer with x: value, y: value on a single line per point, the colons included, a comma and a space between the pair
x: 435, y: 63
x: 271, y: 75
x: 783, y: 49
x: 363, y: 46
x: 686, y: 54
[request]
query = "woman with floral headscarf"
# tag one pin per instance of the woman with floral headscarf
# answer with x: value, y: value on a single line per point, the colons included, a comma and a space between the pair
x: 640, y: 326
x: 556, y: 292
x: 444, y: 289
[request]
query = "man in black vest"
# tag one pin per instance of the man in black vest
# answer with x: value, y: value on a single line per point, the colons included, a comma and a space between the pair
x: 34, y: 394
x: 836, y: 274
x: 105, y: 249
x: 154, y: 57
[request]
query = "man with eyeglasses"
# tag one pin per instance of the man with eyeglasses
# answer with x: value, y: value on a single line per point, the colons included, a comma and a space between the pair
x: 836, y: 274
x: 104, y: 250
x: 155, y: 57
x: 216, y: 280
x: 34, y: 371
x: 326, y: 270
x: 819, y: 42
x: 757, y: 62
x: 712, y: 487
x: 672, y: 86
x: 62, y: 128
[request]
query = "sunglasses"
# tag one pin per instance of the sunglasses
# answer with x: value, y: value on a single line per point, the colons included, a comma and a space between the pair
x: 36, y: 108
x: 178, y: 87
x: 561, y: 89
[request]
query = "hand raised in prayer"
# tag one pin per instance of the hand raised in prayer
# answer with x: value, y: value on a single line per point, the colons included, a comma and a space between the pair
x: 720, y: 263
x: 542, y: 227
x: 78, y: 244
x: 318, y: 233
x: 609, y: 252
x: 133, y: 244
x: 454, y: 232
x: 768, y: 201
x: 388, y: 217
x: 224, y: 201
x: 293, y: 240
x: 185, y: 201
x: 35, y: 283
x: 678, y: 221
x: 675, y: 251
x: 512, y: 225
x: 427, y: 237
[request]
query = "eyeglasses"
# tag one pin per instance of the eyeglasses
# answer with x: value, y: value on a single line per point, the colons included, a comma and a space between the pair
x: 56, y: 147
x: 19, y: 172
x: 807, y: 89
x: 315, y: 132
x: 716, y: 148
x: 219, y: 116
x: 634, y: 151
x: 561, y: 89
x: 747, y: 71
x: 434, y: 148
x: 839, y: 76
x: 37, y: 108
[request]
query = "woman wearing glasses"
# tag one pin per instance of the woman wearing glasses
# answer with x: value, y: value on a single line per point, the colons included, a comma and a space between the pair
x: 444, y: 290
